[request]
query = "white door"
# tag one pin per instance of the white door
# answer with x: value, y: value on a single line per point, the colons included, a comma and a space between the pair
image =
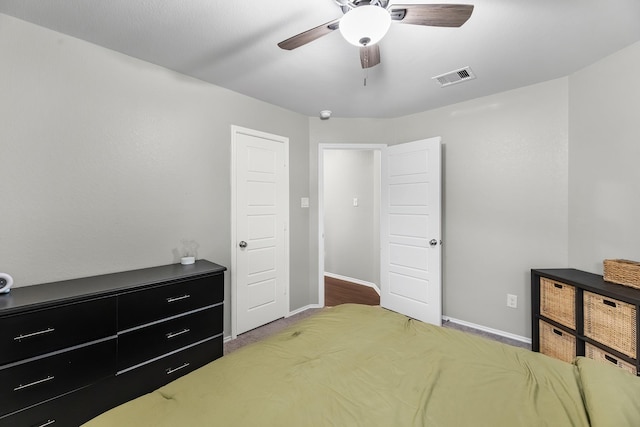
x: 410, y: 230
x: 260, y: 205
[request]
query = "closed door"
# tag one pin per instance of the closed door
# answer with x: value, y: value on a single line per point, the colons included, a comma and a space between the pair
x: 410, y: 230
x: 260, y: 229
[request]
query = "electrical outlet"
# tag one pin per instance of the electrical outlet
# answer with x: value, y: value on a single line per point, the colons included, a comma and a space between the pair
x: 512, y: 301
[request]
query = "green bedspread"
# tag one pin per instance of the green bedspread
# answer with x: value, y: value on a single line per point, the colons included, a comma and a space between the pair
x: 365, y: 366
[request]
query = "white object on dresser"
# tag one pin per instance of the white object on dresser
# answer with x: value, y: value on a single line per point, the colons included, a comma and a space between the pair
x: 6, y: 281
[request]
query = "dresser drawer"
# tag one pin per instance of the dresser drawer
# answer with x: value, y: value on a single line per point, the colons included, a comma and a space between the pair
x: 70, y: 410
x: 58, y: 412
x: 156, y: 303
x: 146, y: 343
x: 39, y: 332
x: 149, y: 377
x: 32, y: 382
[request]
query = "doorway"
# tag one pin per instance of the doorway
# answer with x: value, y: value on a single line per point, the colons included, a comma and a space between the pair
x: 349, y: 220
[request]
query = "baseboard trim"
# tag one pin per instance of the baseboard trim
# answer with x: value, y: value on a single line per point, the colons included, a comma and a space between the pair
x: 352, y: 280
x: 301, y: 309
x: 489, y: 330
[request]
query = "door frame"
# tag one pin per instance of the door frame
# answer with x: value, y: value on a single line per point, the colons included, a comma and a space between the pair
x: 235, y: 130
x: 321, y: 147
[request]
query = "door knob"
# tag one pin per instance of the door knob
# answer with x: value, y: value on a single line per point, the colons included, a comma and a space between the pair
x: 433, y: 242
x: 242, y: 244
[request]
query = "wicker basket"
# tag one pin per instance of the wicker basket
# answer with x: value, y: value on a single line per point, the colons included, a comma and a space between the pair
x: 558, y: 302
x: 557, y: 343
x: 622, y: 272
x: 595, y: 353
x: 610, y: 322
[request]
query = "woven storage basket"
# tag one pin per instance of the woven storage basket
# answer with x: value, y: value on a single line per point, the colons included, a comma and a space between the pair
x: 557, y: 343
x: 595, y: 353
x: 622, y: 272
x: 558, y: 302
x: 610, y: 322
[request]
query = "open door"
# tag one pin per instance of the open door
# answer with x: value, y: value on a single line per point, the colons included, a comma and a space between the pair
x: 411, y: 247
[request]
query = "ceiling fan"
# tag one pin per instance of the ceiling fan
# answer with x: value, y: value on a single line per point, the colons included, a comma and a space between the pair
x: 365, y: 22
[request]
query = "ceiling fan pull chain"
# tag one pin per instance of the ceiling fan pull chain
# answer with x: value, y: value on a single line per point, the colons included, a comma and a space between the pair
x: 366, y: 66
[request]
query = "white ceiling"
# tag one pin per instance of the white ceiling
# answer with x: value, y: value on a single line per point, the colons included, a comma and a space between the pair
x: 233, y: 44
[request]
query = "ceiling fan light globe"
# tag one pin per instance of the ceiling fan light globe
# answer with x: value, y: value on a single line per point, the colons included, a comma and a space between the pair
x: 365, y: 25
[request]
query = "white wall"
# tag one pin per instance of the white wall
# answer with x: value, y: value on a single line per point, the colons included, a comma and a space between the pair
x: 604, y: 161
x: 505, y: 198
x: 108, y: 162
x: 351, y: 247
x: 505, y: 193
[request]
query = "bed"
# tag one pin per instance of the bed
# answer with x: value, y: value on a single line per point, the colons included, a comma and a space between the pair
x: 356, y: 365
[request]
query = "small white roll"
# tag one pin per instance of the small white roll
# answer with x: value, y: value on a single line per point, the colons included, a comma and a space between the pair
x: 6, y: 281
x: 186, y: 260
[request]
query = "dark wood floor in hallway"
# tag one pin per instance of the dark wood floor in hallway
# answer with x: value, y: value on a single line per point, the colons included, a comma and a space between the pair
x: 338, y: 291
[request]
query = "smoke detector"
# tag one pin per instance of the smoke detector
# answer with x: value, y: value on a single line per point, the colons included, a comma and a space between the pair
x: 454, y: 77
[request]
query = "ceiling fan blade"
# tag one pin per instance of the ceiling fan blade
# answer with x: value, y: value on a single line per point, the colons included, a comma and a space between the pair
x: 369, y: 56
x: 435, y: 15
x: 309, y: 35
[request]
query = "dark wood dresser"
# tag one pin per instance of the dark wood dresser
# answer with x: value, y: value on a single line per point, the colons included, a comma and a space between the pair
x: 70, y: 350
x: 576, y: 313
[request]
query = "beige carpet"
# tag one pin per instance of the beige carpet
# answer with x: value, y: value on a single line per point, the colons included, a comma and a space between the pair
x: 266, y: 330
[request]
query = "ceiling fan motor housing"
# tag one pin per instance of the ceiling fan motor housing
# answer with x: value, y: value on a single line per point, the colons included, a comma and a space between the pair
x: 345, y: 7
x: 365, y: 25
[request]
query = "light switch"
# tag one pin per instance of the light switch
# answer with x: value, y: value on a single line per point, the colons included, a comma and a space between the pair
x: 304, y: 202
x: 355, y: 202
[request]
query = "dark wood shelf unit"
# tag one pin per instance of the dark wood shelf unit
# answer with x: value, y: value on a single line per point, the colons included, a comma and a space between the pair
x: 583, y: 282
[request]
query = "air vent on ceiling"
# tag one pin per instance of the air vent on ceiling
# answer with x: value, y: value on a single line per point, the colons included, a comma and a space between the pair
x: 453, y: 77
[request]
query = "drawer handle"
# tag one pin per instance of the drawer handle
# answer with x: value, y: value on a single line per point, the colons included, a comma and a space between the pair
x: 557, y: 285
x: 609, y: 303
x: 557, y: 332
x: 33, y: 334
x: 610, y: 359
x: 44, y: 380
x: 172, y: 370
x: 177, y: 334
x: 174, y: 299
x: 47, y: 423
